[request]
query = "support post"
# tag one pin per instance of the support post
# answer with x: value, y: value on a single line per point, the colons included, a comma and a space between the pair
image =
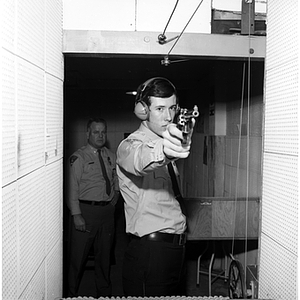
x: 248, y: 17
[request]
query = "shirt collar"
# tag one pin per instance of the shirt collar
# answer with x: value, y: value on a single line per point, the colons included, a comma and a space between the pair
x: 149, y: 132
x: 93, y: 149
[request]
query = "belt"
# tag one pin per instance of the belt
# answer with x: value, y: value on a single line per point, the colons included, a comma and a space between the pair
x: 176, y: 239
x: 100, y: 203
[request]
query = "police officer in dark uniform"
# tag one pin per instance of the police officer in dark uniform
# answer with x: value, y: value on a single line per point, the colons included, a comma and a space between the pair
x: 92, y: 194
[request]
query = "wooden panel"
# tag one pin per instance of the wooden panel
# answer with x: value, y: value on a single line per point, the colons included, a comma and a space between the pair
x: 222, y: 218
x: 199, y: 218
x: 229, y: 219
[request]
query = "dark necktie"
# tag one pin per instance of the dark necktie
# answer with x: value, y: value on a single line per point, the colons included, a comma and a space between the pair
x: 108, y: 190
x: 176, y: 188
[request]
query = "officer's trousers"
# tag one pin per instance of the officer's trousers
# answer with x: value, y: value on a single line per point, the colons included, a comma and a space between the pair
x: 100, y: 235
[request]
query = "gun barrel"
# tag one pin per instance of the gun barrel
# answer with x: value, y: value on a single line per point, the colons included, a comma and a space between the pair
x: 184, y: 122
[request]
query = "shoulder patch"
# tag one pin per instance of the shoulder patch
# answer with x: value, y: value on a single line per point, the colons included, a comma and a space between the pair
x: 132, y: 140
x: 72, y: 159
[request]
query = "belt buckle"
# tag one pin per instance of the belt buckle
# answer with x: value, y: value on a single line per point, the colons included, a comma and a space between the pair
x: 182, y: 239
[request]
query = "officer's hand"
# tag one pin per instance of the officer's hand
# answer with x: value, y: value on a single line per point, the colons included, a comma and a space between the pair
x: 172, y: 143
x: 115, y: 199
x: 79, y: 222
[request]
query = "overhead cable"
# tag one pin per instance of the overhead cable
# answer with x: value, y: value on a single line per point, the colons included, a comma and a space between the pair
x: 185, y: 27
x: 162, y: 37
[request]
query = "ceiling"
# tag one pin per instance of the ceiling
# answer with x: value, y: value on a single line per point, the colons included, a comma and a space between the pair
x: 115, y: 76
x: 103, y: 81
x: 127, y: 72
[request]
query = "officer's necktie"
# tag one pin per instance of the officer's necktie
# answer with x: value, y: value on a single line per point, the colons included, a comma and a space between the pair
x: 176, y: 188
x: 108, y: 189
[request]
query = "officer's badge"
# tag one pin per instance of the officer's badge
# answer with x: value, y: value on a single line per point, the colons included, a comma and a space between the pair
x: 72, y: 159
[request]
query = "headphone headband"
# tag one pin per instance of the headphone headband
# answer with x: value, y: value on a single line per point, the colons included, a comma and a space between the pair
x: 147, y: 83
x: 141, y: 109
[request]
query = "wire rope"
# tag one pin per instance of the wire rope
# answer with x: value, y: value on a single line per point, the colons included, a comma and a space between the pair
x: 247, y: 144
x: 170, y: 18
x: 238, y: 157
x: 248, y: 138
x: 185, y: 28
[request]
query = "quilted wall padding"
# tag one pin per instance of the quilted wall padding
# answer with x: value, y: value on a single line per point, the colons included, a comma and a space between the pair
x: 279, y: 235
x: 32, y: 149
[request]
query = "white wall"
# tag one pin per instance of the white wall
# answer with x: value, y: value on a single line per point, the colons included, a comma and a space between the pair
x: 146, y: 15
x: 32, y: 149
x: 279, y: 235
x: 132, y: 15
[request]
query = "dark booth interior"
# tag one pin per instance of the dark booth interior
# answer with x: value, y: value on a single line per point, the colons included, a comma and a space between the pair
x: 229, y: 95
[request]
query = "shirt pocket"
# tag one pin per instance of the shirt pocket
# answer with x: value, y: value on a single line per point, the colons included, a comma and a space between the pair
x: 89, y: 167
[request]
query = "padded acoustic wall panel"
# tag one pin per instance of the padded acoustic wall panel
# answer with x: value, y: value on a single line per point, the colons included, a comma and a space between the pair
x: 280, y: 197
x: 30, y: 115
x: 54, y: 119
x: 36, y: 286
x: 30, y: 43
x: 9, y: 133
x: 53, y: 272
x: 54, y: 81
x: 278, y: 272
x: 280, y: 208
x: 282, y: 39
x: 283, y: 109
x: 32, y: 101
x: 54, y: 58
x: 31, y: 224
x: 10, y: 252
x: 53, y: 193
x: 8, y: 24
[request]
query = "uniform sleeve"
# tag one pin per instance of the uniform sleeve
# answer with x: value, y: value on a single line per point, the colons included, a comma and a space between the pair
x: 141, y: 157
x: 75, y: 168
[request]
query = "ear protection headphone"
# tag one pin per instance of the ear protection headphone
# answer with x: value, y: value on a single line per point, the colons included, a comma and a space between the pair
x: 141, y: 109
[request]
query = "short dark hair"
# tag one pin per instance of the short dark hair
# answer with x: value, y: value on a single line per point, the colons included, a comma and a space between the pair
x: 96, y: 120
x: 156, y: 87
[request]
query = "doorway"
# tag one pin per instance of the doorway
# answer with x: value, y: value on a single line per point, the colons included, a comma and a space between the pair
x: 102, y: 85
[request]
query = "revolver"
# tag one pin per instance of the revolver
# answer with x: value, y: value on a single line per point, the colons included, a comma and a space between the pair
x: 184, y: 121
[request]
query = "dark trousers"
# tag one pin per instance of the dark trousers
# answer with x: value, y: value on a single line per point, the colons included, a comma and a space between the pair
x: 152, y: 268
x: 100, y: 224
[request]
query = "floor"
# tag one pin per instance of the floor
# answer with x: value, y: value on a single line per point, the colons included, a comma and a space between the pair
x: 219, y: 286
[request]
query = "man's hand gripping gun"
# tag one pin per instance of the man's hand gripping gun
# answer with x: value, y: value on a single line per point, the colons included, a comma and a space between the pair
x: 184, y: 121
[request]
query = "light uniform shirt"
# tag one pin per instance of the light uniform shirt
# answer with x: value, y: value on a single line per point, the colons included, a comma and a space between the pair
x: 86, y: 181
x: 146, y: 186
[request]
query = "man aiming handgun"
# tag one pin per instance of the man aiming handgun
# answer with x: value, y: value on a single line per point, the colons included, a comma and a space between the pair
x: 155, y: 221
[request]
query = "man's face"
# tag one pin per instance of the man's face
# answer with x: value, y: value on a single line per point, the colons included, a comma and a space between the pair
x: 97, y: 135
x: 161, y: 113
